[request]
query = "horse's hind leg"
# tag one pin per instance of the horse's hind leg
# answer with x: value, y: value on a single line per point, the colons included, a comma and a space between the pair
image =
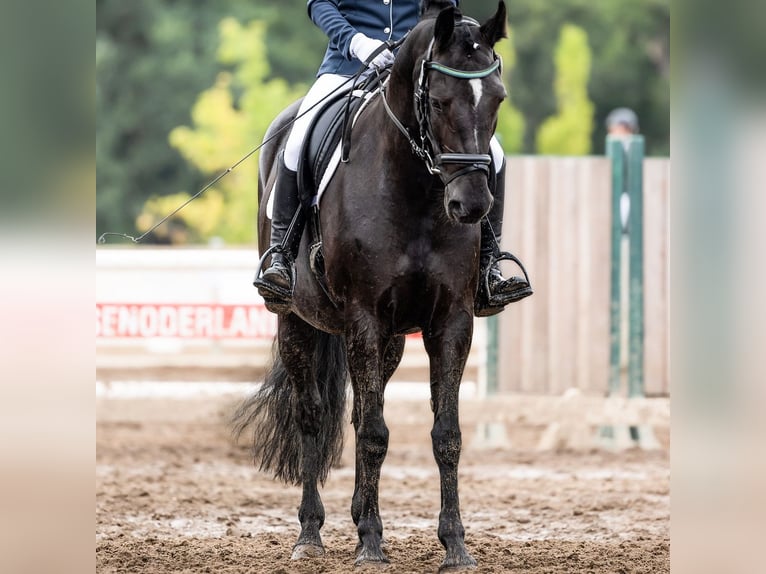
x: 297, y: 341
x: 365, y: 360
x: 447, y: 346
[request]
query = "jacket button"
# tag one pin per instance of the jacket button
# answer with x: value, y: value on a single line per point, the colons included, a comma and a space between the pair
x: 386, y: 2
x: 386, y: 30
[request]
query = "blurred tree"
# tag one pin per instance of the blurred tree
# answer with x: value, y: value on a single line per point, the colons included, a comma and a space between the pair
x: 153, y: 57
x: 631, y: 67
x: 510, y: 122
x: 569, y: 132
x: 629, y: 40
x: 230, y: 119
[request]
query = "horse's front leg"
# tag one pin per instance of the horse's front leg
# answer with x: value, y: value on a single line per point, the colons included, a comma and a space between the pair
x: 447, y: 346
x: 297, y: 340
x: 365, y: 362
x: 391, y: 359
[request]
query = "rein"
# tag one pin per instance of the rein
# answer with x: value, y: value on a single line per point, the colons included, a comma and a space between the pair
x: 427, y: 149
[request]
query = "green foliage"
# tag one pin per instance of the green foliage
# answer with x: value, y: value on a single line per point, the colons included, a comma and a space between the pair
x: 154, y: 57
x: 569, y: 132
x: 510, y: 122
x: 629, y: 40
x: 226, y: 128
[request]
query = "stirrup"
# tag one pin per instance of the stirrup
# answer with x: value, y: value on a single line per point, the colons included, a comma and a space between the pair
x: 277, y: 299
x: 485, y: 304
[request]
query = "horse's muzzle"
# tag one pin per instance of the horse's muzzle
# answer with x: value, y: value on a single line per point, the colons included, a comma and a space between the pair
x: 464, y: 213
x: 468, y: 199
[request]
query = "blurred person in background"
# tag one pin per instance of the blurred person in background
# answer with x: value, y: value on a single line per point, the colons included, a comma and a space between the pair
x: 622, y: 122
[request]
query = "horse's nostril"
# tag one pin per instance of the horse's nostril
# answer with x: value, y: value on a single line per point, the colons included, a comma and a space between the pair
x: 455, y: 207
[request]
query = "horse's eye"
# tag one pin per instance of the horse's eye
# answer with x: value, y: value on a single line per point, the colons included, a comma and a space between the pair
x: 436, y: 105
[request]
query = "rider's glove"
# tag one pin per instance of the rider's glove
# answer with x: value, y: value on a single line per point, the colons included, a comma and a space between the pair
x: 362, y: 48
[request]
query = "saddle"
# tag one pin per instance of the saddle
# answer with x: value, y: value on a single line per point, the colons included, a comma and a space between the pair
x: 328, y: 140
x: 327, y: 143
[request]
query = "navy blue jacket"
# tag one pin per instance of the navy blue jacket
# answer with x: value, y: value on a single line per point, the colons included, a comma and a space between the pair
x: 341, y: 19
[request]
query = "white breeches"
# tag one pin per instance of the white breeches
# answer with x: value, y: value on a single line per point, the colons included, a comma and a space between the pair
x: 324, y: 85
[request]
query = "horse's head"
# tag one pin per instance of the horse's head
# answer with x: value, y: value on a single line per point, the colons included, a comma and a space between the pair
x: 458, y: 91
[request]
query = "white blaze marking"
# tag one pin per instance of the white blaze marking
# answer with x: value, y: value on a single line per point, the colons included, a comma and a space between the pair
x: 477, y: 90
x: 476, y: 86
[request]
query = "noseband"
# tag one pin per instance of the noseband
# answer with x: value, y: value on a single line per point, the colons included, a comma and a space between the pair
x: 428, y: 149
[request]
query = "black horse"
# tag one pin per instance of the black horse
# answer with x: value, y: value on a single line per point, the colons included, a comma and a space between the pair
x: 400, y: 229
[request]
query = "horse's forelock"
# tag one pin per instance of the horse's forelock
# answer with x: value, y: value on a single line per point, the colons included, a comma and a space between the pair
x: 462, y: 46
x: 465, y: 37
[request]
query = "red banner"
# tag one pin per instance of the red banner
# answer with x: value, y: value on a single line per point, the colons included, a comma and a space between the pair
x: 186, y: 321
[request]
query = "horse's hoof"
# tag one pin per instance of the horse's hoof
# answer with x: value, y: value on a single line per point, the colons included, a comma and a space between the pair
x: 301, y: 551
x: 456, y: 563
x: 359, y: 545
x: 371, y: 557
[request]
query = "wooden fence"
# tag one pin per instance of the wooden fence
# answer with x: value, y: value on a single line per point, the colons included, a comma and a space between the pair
x: 557, y: 220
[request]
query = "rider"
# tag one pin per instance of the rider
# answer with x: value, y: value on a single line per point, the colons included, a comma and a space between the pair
x: 356, y: 29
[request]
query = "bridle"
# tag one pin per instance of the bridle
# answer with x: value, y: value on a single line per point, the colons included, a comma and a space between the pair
x: 428, y: 148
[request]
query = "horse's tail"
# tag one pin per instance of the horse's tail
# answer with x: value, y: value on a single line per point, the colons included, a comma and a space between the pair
x: 271, y: 412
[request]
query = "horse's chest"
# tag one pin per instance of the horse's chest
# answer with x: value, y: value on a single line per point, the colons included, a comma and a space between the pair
x: 418, y: 267
x: 421, y: 266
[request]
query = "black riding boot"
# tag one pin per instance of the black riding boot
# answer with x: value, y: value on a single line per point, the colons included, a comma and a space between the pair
x: 495, y: 292
x: 276, y: 283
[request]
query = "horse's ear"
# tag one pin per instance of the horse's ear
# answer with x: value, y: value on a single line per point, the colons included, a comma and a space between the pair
x: 495, y: 28
x: 434, y: 6
x: 445, y: 25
